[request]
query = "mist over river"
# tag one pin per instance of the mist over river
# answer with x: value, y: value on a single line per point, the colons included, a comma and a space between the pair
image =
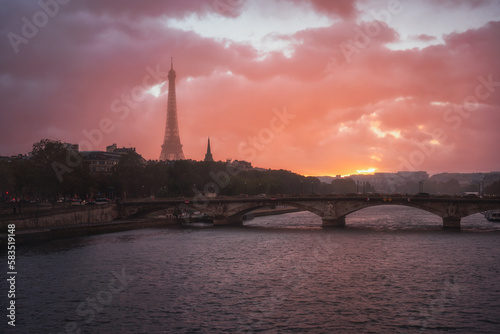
x: 390, y: 270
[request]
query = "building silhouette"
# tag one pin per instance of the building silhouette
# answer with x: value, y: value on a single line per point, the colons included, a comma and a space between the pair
x: 171, y: 148
x: 101, y: 162
x: 208, y: 155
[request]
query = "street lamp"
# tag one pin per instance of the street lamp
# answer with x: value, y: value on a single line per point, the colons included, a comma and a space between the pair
x: 481, y: 187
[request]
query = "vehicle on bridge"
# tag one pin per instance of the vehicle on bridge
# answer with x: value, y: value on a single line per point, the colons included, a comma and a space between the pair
x: 101, y: 200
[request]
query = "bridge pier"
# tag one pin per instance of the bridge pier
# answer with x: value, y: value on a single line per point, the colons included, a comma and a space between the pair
x: 451, y: 222
x: 220, y: 222
x: 227, y: 221
x: 334, y: 222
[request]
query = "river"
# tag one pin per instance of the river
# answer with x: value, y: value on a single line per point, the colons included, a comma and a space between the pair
x: 391, y: 270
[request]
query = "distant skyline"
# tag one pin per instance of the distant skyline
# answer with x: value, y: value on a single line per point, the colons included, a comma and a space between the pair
x: 317, y: 87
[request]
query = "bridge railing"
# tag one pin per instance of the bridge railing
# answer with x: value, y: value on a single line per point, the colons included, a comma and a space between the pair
x: 334, y: 197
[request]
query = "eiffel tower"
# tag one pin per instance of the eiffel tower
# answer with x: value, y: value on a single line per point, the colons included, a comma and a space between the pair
x: 171, y: 148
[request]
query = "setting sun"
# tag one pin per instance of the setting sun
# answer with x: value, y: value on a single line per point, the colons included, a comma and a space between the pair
x: 366, y: 171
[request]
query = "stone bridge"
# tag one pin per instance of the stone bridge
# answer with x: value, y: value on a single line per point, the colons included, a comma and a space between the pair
x: 332, y: 209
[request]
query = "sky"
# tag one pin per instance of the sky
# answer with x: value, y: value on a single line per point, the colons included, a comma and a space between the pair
x: 317, y: 87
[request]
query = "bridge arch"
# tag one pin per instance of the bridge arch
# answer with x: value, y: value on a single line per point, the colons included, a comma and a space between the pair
x: 400, y: 204
x: 336, y: 212
x: 396, y: 213
x: 480, y: 209
x: 232, y: 212
x: 306, y: 207
x: 332, y: 210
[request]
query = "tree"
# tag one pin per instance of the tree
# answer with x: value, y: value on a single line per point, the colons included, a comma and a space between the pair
x: 369, y: 188
x: 129, y: 175
x: 493, y: 189
x: 156, y: 178
x: 344, y: 185
x: 452, y: 187
x: 7, y: 180
x: 57, y: 171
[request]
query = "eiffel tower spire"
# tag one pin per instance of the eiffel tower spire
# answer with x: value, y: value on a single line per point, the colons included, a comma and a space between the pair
x: 171, y: 148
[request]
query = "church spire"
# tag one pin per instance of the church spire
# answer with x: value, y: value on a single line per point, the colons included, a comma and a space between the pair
x: 208, y: 156
x: 171, y: 63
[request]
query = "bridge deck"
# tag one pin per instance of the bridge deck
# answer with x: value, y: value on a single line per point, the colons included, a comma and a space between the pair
x: 382, y: 198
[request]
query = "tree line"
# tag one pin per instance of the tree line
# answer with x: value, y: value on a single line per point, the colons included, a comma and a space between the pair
x: 46, y: 176
x: 53, y: 172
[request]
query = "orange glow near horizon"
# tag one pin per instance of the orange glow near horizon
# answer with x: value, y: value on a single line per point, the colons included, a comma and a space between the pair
x: 366, y: 171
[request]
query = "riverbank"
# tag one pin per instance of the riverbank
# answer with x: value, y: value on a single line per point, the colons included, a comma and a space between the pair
x: 35, y: 217
x: 47, y: 233
x: 70, y: 231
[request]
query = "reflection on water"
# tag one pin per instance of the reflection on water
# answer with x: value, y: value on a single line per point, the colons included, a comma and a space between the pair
x: 391, y: 270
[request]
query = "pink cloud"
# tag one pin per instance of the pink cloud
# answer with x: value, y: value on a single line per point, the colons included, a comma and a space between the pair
x: 371, y: 110
x: 424, y: 38
x: 342, y: 8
